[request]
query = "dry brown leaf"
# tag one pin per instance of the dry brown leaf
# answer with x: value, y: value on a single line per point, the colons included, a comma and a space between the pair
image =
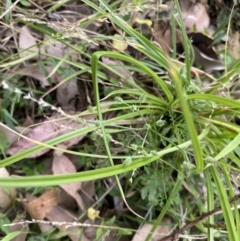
x: 91, y: 231
x: 159, y: 233
x: 42, y: 133
x: 234, y: 45
x: 209, y: 64
x: 67, y: 201
x: 48, y: 130
x: 107, y: 235
x: 75, y: 161
x: 195, y: 16
x: 66, y: 93
x: 73, y: 125
x: 87, y: 192
x: 45, y: 227
x: 41, y: 206
x: 62, y: 165
x: 26, y: 40
x: 162, y: 34
x: 203, y: 52
x: 118, y: 66
x: 19, y: 227
x: 60, y: 215
x: 11, y: 136
x: 7, y: 195
x: 56, y: 48
x: 28, y: 121
x: 36, y: 72
x: 203, y: 43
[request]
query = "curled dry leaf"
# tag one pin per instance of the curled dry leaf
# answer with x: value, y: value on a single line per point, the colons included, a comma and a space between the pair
x: 41, y: 206
x: 47, y: 131
x: 7, y: 195
x: 209, y: 64
x: 60, y: 215
x: 62, y: 165
x: 204, y: 54
x: 203, y: 43
x: 27, y: 41
x: 195, y: 16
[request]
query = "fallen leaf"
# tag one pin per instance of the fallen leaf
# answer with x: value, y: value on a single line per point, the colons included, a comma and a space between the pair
x: 195, y: 16
x: 208, y: 63
x: 67, y: 201
x: 105, y: 234
x: 203, y: 43
x: 47, y: 131
x: 10, y: 135
x: 37, y: 73
x: 23, y: 228
x: 162, y: 34
x: 59, y: 215
x: 118, y: 66
x: 66, y: 93
x: 41, y: 206
x: 7, y: 195
x: 28, y: 121
x: 160, y: 231
x: 91, y: 231
x: 27, y: 42
x: 234, y: 45
x: 62, y: 165
x: 87, y: 192
x: 58, y: 49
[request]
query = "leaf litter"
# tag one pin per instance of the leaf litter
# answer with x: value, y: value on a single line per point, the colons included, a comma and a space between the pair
x: 46, y: 206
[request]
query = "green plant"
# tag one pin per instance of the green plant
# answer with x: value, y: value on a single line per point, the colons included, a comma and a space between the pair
x: 169, y: 136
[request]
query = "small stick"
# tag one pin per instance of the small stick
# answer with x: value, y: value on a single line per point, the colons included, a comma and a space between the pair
x: 175, y: 234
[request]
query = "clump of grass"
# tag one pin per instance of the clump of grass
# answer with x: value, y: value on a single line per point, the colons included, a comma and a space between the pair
x: 177, y: 139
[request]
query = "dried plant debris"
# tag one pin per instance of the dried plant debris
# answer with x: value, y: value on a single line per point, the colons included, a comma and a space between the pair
x: 160, y: 231
x: 47, y: 79
x: 7, y: 195
x: 204, y: 55
x: 48, y: 130
x: 62, y: 165
x: 39, y: 207
x: 234, y: 45
x: 195, y: 16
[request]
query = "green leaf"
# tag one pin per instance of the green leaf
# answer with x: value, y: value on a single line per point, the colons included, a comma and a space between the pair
x: 11, y: 236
